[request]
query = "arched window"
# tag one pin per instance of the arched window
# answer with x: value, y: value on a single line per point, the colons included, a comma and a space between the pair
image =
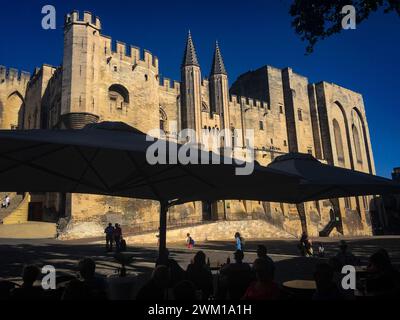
x: 118, y: 96
x: 163, y: 120
x: 357, y: 145
x: 338, y: 142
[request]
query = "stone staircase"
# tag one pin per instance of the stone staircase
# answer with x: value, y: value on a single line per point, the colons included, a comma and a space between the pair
x: 15, y: 201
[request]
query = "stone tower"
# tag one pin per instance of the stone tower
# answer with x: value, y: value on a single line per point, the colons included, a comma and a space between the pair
x: 191, y: 89
x: 219, y: 89
x: 79, y: 70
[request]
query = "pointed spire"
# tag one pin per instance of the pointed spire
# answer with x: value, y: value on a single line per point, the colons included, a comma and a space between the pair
x: 218, y: 66
x: 190, y: 56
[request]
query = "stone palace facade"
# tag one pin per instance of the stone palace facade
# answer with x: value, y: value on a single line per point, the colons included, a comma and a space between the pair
x: 100, y: 80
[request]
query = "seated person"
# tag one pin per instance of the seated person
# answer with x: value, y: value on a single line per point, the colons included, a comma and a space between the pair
x: 200, y: 275
x: 264, y: 288
x: 383, y: 279
x: 326, y: 287
x: 262, y: 253
x: 88, y: 287
x: 345, y: 256
x: 236, y: 277
x: 177, y: 274
x: 28, y: 291
x: 156, y: 288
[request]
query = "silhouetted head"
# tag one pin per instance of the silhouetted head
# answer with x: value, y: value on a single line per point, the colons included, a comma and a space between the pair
x: 30, y: 275
x: 264, y: 269
x: 188, y: 235
x: 237, y: 235
x: 238, y: 255
x: 110, y: 224
x: 343, y: 245
x: 323, y: 276
x: 200, y: 258
x: 185, y: 291
x: 161, y: 276
x: 379, y: 261
x: 262, y: 251
x: 87, y: 268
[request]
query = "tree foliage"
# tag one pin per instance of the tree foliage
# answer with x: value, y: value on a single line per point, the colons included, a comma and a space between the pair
x: 315, y: 20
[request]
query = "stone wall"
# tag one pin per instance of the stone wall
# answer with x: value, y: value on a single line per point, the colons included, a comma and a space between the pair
x: 217, y: 231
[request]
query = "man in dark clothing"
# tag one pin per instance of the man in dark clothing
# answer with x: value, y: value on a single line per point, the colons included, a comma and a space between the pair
x: 236, y: 277
x: 262, y: 253
x: 200, y: 275
x: 88, y: 287
x: 118, y: 236
x: 177, y: 274
x: 28, y: 291
x: 109, y: 231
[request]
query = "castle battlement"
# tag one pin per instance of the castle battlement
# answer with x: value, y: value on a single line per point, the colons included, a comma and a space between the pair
x: 12, y: 75
x: 132, y: 54
x: 246, y: 102
x: 88, y: 19
x: 167, y: 85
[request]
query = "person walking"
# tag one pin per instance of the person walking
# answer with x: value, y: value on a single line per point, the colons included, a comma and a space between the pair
x: 189, y: 241
x: 8, y: 201
x: 239, y: 242
x: 118, y: 236
x: 109, y: 231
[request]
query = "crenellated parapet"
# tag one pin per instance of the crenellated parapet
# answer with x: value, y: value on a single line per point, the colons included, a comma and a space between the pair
x: 118, y: 50
x: 170, y: 86
x: 87, y: 19
x: 13, y: 76
x: 113, y: 50
x: 247, y: 103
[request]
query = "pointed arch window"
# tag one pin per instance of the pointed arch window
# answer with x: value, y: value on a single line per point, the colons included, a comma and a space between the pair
x: 338, y: 142
x: 357, y: 145
x: 163, y: 120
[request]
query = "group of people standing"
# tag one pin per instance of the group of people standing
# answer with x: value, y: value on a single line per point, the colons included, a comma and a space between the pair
x: 114, y: 235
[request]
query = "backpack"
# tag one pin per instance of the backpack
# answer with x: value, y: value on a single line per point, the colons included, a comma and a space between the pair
x: 191, y: 241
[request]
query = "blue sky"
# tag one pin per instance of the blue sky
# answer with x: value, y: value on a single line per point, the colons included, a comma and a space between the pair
x: 251, y: 34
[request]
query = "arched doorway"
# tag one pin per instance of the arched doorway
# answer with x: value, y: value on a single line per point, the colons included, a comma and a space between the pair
x: 11, y: 111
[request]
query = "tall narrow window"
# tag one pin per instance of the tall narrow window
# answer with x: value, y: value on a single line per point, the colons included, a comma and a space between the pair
x: 300, y: 115
x: 338, y: 142
x: 281, y: 109
x: 233, y: 137
x: 163, y: 120
x: 357, y: 146
x: 261, y: 125
x: 347, y: 203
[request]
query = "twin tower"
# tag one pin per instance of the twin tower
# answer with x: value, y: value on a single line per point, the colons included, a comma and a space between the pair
x: 191, y: 89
